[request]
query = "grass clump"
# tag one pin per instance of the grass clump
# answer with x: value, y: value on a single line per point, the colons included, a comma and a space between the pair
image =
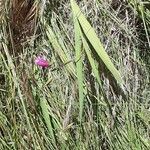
x: 95, y: 93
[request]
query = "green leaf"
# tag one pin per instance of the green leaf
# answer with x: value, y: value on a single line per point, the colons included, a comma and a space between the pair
x: 46, y: 116
x: 94, y: 41
x: 79, y: 65
x: 59, y: 50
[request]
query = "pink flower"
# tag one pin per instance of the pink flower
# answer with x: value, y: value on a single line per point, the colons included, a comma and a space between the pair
x: 40, y: 61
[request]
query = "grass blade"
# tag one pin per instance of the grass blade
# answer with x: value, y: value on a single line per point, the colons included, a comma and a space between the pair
x: 95, y: 42
x: 79, y: 65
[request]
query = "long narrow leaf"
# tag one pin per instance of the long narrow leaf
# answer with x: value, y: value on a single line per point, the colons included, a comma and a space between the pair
x: 56, y: 45
x: 79, y: 65
x: 95, y: 42
x: 46, y: 116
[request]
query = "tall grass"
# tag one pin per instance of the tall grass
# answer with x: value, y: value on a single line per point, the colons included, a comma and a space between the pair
x: 94, y: 95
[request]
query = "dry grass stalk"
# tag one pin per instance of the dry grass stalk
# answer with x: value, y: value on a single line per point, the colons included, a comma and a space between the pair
x: 23, y: 22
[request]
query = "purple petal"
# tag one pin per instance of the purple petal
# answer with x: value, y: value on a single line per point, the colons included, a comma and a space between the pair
x: 40, y: 61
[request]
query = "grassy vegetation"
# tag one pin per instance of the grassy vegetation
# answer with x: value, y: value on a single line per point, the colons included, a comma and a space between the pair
x: 95, y: 94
